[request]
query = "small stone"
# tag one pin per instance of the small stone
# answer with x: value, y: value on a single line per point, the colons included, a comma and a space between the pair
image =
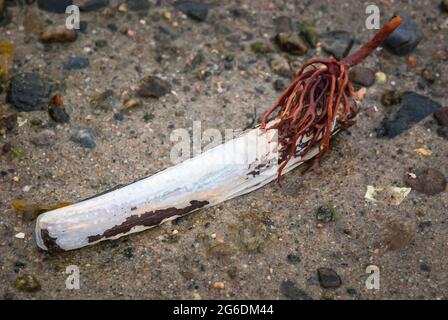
x: 55, y: 6
x: 279, y: 85
x: 328, y: 278
x: 5, y: 17
x: 46, y: 137
x: 58, y: 114
x: 128, y: 253
x: 260, y: 48
x: 58, y: 34
x: 76, y: 63
x: 337, y: 43
x: 424, y: 267
x: 194, y: 9
x: 405, y: 38
x: 362, y: 76
x: 290, y: 291
x: 308, y: 32
x: 8, y: 121
x: 291, y: 43
x: 280, y: 66
x: 428, y: 181
x: 413, y: 109
x: 105, y: 101
x: 443, y: 132
x: 154, y: 87
x: 85, y: 137
x: 293, y: 259
x: 27, y: 283
x: 325, y: 214
x: 29, y: 92
x: 352, y: 291
x: 93, y: 5
x: 100, y: 44
x: 327, y: 295
x: 83, y: 25
x: 444, y: 5
x: 119, y: 116
x: 380, y: 77
x: 219, y: 285
x: 138, y: 5
x: 391, y: 98
x: 441, y: 116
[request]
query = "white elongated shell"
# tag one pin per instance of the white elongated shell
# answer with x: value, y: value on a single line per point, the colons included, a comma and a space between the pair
x: 239, y: 166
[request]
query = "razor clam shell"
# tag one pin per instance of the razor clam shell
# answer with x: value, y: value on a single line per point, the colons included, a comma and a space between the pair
x: 219, y: 174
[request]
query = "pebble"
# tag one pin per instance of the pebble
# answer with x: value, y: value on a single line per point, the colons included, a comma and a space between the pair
x: 443, y: 132
x: 405, y: 38
x: 426, y: 180
x: 290, y: 291
x: 444, y: 5
x: 380, y: 77
x: 413, y: 109
x: 424, y: 267
x: 8, y: 121
x: 362, y: 76
x: 58, y: 34
x: 55, y: 6
x: 325, y: 214
x: 337, y: 43
x: 280, y: 66
x: 293, y: 259
x: 119, y: 116
x: 441, y: 116
x: 279, y: 85
x: 308, y: 32
x: 391, y: 98
x: 260, y: 48
x: 5, y: 17
x: 105, y: 101
x: 92, y: 5
x: 85, y: 137
x: 27, y: 283
x: 76, y: 63
x: 219, y: 285
x: 194, y: 9
x: 154, y: 87
x: 328, y: 278
x: 292, y: 43
x: 46, y: 137
x: 29, y: 92
x: 58, y: 114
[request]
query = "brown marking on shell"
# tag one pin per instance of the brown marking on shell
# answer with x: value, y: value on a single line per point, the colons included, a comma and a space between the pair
x: 49, y: 241
x: 148, y: 219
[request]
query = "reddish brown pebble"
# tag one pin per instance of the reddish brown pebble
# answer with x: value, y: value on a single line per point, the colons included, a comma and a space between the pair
x: 428, y: 181
x: 441, y: 116
x: 58, y: 34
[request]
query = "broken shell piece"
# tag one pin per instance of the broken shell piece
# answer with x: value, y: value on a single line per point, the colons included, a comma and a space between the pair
x: 20, y: 235
x: 390, y: 195
x: 423, y: 151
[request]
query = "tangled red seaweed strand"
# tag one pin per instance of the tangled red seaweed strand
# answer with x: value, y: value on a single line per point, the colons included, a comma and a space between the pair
x: 318, y: 97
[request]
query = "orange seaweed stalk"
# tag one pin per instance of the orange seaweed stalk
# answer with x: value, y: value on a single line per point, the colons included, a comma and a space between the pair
x: 319, y: 94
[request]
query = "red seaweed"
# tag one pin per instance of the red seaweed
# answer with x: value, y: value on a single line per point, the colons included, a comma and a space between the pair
x: 319, y: 95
